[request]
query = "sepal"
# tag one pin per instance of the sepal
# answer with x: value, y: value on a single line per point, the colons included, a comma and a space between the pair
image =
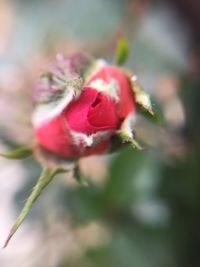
x: 126, y: 133
x: 142, y: 98
x: 79, y: 177
x: 133, y: 142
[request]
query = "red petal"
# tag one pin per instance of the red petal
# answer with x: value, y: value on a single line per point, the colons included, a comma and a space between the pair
x: 55, y: 136
x: 76, y: 113
x: 102, y: 113
x: 87, y: 116
x: 127, y: 99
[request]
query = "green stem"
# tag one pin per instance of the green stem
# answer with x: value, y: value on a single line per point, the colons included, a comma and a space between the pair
x: 45, y: 178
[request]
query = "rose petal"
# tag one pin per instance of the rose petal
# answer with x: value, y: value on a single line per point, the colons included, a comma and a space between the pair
x: 87, y: 116
x: 102, y: 114
x: 76, y: 113
x: 126, y: 104
x: 54, y: 136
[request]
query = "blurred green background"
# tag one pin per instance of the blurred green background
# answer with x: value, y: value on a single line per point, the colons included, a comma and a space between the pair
x: 142, y: 208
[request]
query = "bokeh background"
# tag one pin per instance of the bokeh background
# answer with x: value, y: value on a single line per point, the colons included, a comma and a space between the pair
x: 142, y: 208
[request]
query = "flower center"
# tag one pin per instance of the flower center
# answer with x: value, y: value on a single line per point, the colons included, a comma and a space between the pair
x: 96, y: 101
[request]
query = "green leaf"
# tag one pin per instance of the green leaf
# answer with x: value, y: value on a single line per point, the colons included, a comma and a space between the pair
x: 122, y: 51
x: 45, y: 178
x: 19, y: 153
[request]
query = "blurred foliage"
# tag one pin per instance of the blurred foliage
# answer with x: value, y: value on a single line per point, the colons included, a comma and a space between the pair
x: 133, y: 241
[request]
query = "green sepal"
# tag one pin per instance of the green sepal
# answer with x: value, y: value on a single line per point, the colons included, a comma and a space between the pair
x: 143, y: 99
x: 45, y: 178
x: 122, y: 51
x: 19, y: 153
x: 146, y: 105
x: 79, y: 177
x: 133, y: 142
x: 155, y: 118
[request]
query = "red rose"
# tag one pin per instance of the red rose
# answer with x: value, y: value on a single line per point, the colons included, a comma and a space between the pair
x: 78, y: 112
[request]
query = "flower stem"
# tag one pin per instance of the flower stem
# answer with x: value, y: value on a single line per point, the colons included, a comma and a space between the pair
x: 45, y: 178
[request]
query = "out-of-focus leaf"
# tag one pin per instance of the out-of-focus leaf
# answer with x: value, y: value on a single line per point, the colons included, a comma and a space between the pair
x: 122, y: 51
x: 119, y: 191
x: 19, y: 153
x: 45, y: 178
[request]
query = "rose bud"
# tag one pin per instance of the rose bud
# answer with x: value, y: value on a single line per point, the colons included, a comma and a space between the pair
x: 81, y: 104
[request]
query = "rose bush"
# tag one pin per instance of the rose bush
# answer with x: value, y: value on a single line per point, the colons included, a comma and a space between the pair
x: 80, y: 104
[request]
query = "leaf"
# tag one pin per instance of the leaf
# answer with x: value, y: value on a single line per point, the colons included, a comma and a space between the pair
x: 122, y: 51
x: 45, y: 178
x: 19, y: 153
